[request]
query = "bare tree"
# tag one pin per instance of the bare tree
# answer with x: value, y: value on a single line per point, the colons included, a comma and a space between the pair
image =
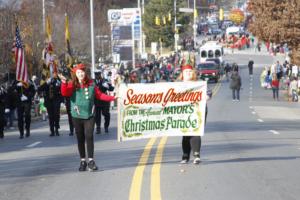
x: 29, y: 16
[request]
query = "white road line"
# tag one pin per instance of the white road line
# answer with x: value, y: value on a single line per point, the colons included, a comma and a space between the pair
x: 33, y: 144
x: 274, y: 132
x: 250, y: 88
x: 253, y: 113
x: 250, y: 107
x: 260, y: 120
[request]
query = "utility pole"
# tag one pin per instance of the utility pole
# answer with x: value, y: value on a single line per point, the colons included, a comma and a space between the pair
x: 175, y: 26
x: 92, y: 38
x: 195, y: 26
x: 141, y: 29
x: 44, y: 13
x: 143, y: 35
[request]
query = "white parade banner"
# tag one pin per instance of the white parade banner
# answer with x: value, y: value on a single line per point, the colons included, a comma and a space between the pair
x: 161, y: 109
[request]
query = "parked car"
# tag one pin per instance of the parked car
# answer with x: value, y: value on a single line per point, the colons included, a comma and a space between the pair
x: 208, y: 71
x: 218, y: 62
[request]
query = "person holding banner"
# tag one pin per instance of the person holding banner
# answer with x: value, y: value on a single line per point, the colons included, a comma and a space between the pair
x: 190, y: 143
x: 82, y: 92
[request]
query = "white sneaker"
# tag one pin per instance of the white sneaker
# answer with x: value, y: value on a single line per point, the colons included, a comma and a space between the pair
x: 184, y: 162
x: 197, y: 161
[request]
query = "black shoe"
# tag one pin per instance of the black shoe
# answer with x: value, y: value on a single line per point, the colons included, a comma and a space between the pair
x: 56, y: 133
x: 27, y: 133
x: 21, y: 136
x: 98, y: 131
x: 52, y: 134
x: 106, y: 130
x: 92, y: 166
x: 71, y: 134
x: 82, y: 166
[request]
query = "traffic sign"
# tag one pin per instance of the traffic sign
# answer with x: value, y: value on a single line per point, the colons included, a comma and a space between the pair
x: 186, y: 10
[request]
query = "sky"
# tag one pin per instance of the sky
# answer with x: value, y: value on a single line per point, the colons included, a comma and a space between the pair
x: 7, y: 2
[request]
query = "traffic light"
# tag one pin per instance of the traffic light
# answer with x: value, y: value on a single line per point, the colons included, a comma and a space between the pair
x: 169, y: 17
x: 221, y: 14
x: 157, y: 21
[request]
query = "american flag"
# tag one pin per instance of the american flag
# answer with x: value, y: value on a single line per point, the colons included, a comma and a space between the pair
x: 21, y: 69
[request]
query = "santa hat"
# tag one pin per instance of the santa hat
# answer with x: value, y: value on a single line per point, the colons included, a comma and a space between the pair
x: 188, y: 61
x: 188, y: 66
x: 78, y: 66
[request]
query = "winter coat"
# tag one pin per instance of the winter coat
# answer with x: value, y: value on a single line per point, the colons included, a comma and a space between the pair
x: 236, y: 81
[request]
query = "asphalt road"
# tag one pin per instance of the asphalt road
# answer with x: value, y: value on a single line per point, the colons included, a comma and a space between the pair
x: 250, y: 150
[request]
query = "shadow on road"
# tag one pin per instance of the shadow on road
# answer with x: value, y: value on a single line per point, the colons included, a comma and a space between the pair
x: 251, y: 159
x: 228, y: 126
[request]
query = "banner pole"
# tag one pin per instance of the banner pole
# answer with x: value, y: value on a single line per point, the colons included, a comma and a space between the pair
x: 119, y: 123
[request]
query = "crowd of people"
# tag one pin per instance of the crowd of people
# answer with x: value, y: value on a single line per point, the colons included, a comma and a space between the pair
x: 41, y: 96
x: 284, y: 76
x: 86, y: 100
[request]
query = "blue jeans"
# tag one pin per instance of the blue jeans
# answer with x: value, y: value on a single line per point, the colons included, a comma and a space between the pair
x: 236, y: 94
x: 275, y: 93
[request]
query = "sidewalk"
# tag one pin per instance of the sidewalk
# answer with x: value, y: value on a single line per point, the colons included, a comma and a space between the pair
x: 268, y: 108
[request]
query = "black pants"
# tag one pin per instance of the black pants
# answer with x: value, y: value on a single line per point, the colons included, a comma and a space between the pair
x: 84, y: 129
x: 2, y: 120
x: 68, y: 108
x: 278, y: 75
x: 104, y: 110
x: 24, y: 109
x: 53, y: 109
x: 251, y: 71
x: 191, y: 143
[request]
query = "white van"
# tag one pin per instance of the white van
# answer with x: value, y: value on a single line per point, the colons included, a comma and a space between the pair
x: 210, y: 50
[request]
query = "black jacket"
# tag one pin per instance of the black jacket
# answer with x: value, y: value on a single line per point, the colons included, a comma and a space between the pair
x: 104, y: 86
x: 29, y: 92
x: 11, y: 98
x: 51, y: 91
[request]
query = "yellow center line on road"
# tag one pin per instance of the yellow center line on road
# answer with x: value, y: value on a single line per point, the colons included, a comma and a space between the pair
x: 136, y: 185
x: 155, y: 173
x: 216, y: 88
